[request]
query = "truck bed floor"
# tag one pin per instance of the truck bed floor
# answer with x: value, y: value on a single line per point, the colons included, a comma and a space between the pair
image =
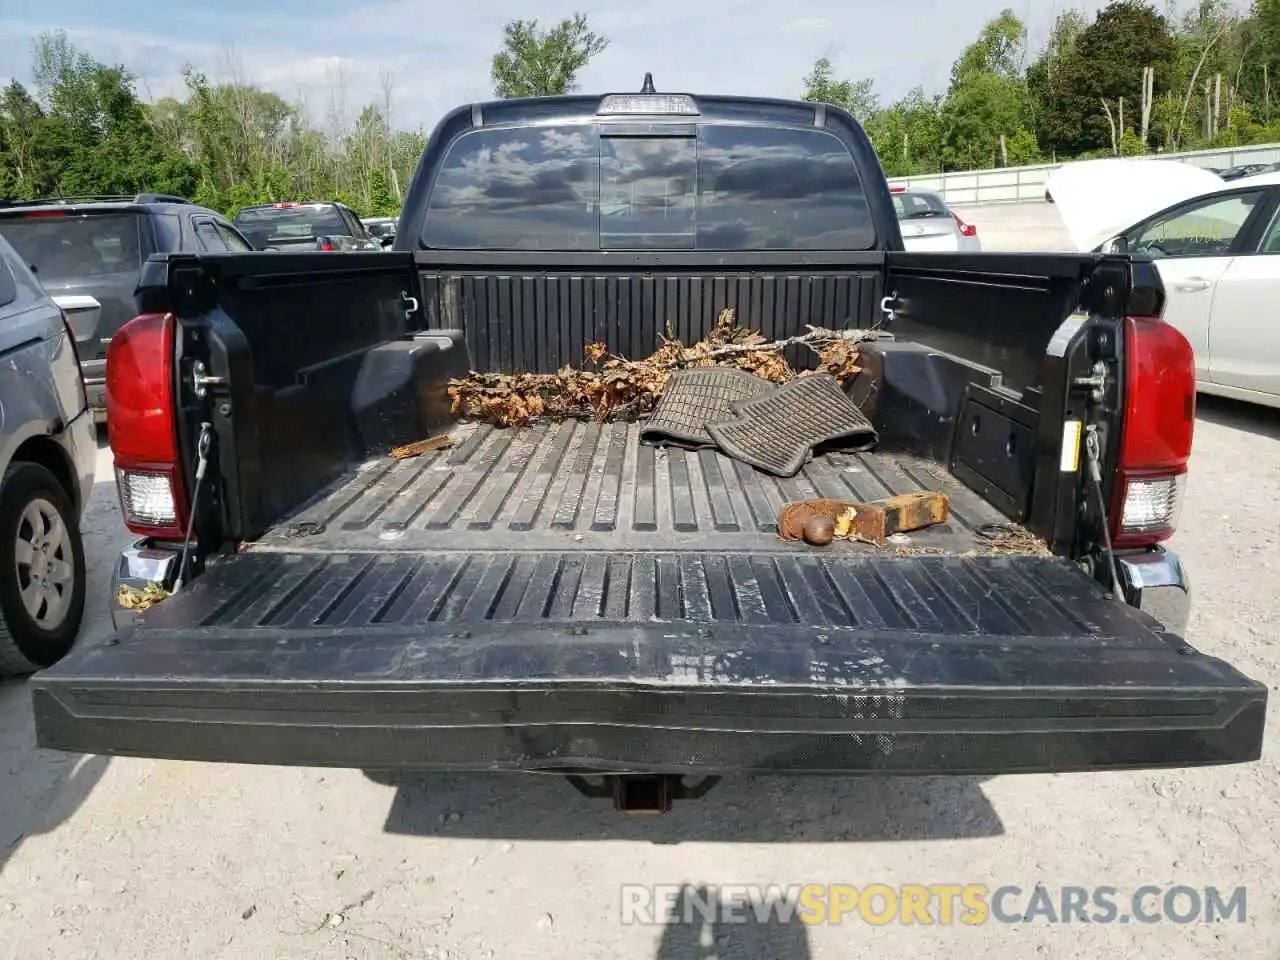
x: 579, y: 487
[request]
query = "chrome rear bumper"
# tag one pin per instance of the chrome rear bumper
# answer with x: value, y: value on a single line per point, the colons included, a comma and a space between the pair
x: 1156, y: 583
x: 143, y: 563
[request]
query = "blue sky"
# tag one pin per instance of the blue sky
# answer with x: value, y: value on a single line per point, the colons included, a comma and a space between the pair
x: 437, y: 54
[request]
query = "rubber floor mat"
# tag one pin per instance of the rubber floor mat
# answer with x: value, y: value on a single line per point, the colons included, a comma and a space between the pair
x: 777, y: 432
x: 698, y: 396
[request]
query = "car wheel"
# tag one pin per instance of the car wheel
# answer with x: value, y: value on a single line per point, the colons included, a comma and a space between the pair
x: 42, y: 572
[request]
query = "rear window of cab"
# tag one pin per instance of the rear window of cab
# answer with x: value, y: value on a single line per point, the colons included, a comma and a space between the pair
x: 723, y: 187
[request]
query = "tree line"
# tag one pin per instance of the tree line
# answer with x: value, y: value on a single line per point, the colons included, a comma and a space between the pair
x: 1133, y: 80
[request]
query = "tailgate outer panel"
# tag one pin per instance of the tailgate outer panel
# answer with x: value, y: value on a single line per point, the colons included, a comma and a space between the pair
x: 679, y: 662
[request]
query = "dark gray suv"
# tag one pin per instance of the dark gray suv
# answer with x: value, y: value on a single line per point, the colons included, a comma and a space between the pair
x: 48, y: 447
x: 88, y: 253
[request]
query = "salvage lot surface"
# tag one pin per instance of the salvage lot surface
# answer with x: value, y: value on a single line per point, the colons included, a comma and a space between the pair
x: 115, y: 858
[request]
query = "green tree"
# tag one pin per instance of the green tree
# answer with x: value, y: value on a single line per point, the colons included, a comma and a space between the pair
x: 856, y: 96
x: 97, y: 128
x: 83, y: 130
x: 28, y: 155
x: 1047, y: 86
x: 1265, y: 24
x: 987, y: 108
x: 983, y: 108
x: 908, y: 135
x: 999, y: 50
x: 543, y: 63
x: 1104, y: 67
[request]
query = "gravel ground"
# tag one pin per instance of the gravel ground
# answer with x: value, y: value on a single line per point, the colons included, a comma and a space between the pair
x: 119, y: 858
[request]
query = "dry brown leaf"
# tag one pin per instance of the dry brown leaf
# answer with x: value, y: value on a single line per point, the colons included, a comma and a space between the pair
x: 419, y: 447
x: 622, y: 389
x: 132, y: 598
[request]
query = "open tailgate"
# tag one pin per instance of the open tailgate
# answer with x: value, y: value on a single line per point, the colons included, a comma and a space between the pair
x: 650, y: 662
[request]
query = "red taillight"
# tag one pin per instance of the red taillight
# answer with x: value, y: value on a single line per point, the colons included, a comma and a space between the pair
x: 1159, y: 423
x: 326, y: 245
x: 897, y: 189
x: 966, y: 229
x: 43, y: 214
x: 141, y: 429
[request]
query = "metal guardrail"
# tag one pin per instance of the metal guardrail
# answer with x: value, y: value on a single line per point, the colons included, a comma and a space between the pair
x: 1022, y: 184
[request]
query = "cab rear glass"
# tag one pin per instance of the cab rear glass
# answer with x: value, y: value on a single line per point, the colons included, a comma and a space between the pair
x: 291, y: 222
x: 720, y: 187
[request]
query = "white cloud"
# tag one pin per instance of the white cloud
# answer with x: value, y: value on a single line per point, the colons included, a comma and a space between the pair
x: 807, y: 25
x: 437, y: 55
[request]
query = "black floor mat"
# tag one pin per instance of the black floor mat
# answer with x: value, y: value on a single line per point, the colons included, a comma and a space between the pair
x: 776, y: 432
x: 698, y: 396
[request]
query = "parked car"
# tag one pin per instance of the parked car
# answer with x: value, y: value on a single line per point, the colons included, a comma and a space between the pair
x: 48, y: 448
x: 382, y: 229
x: 88, y: 253
x: 927, y: 223
x: 304, y: 225
x: 563, y: 597
x: 1217, y: 249
x: 1247, y: 170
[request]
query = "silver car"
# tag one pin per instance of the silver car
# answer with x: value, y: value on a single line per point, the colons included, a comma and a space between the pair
x: 48, y: 447
x: 928, y: 224
x: 382, y: 229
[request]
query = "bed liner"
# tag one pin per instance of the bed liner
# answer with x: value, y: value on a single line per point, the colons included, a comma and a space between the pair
x: 577, y: 486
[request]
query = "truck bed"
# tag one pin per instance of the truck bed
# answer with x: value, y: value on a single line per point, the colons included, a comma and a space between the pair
x: 565, y: 599
x: 584, y: 487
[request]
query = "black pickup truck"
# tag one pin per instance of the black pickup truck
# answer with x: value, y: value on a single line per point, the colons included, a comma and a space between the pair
x: 308, y: 225
x: 563, y: 598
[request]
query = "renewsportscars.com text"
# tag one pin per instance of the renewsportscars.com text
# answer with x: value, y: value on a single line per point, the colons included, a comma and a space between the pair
x: 930, y: 904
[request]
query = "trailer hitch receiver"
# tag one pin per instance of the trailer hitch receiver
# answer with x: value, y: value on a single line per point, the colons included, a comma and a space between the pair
x: 643, y: 794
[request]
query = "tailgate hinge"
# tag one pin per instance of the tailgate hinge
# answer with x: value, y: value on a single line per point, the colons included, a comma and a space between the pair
x: 1095, y: 382
x: 201, y: 380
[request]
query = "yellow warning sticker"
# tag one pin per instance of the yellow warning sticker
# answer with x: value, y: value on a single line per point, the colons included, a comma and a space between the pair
x: 1071, y: 431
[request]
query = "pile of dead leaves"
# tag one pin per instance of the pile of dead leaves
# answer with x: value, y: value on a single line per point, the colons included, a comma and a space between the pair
x: 622, y: 389
x: 133, y: 598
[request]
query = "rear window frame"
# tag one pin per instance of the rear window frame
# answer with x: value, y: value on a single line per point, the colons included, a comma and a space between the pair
x: 872, y: 237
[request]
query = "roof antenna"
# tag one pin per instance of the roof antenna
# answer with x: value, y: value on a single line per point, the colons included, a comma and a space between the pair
x: 648, y: 84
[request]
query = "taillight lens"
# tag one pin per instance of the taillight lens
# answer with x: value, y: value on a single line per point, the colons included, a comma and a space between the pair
x: 326, y: 245
x: 966, y: 229
x: 141, y: 429
x: 1159, y: 423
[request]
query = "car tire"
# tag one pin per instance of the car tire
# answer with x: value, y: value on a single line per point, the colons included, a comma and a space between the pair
x: 42, y: 570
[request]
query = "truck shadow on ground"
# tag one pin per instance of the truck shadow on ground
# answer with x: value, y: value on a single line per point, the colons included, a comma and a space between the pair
x: 738, y: 810
x: 1238, y: 415
x: 39, y: 789
x: 688, y: 936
